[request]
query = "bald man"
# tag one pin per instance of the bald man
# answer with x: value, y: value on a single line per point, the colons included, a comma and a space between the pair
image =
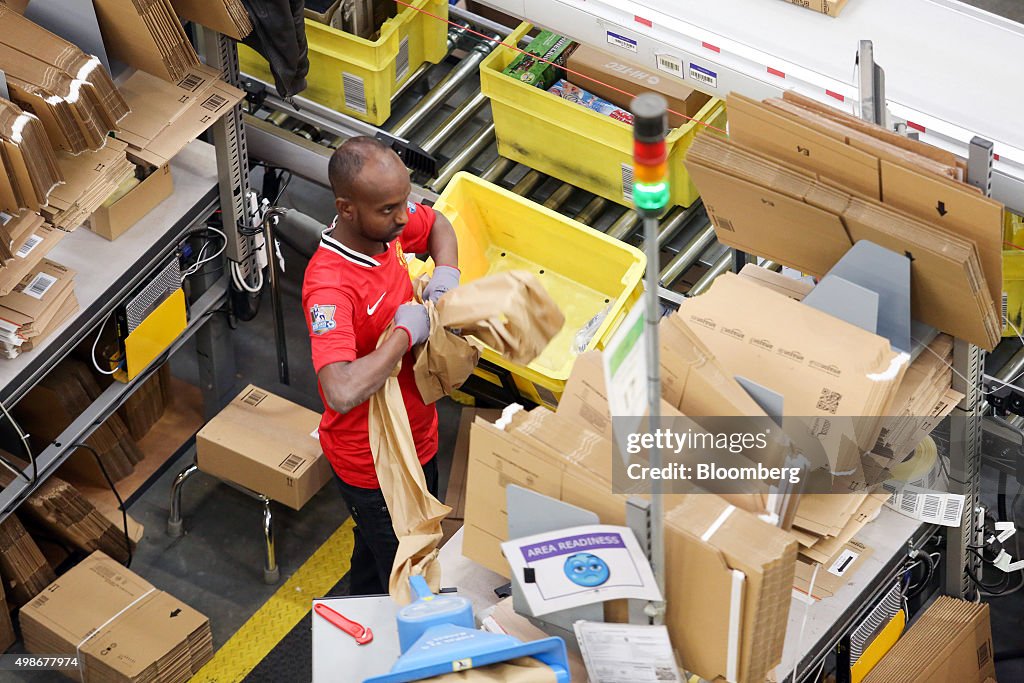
x: 355, y: 286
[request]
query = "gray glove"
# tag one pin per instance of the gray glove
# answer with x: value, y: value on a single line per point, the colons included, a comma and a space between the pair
x: 414, y: 320
x: 445, y: 278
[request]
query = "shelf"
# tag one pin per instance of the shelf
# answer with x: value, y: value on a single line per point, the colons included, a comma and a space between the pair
x: 949, y: 68
x: 182, y: 418
x: 108, y: 270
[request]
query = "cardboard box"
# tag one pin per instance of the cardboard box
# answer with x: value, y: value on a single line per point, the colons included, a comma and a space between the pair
x: 43, y: 238
x: 146, y: 36
x: 90, y: 178
x: 736, y: 572
x: 23, y: 568
x: 455, y: 495
x: 832, y: 575
x: 606, y: 75
x: 28, y: 310
x: 830, y: 7
x: 121, y: 211
x: 263, y: 442
x: 950, y: 643
x: 122, y: 627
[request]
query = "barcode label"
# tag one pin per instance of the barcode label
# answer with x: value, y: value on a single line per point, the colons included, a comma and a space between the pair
x: 292, y: 463
x: 621, y: 41
x: 354, y: 91
x: 627, y: 182
x: 214, y: 102
x: 30, y: 244
x: 934, y: 507
x: 191, y: 82
x: 1006, y: 308
x: 402, y: 62
x: 40, y: 285
x: 254, y: 397
x: 672, y: 65
x: 704, y: 76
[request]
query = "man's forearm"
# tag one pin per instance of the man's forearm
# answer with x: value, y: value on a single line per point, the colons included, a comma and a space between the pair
x: 443, y: 244
x: 347, y: 385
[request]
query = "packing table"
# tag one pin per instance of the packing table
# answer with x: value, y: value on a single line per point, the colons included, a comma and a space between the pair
x: 889, y: 536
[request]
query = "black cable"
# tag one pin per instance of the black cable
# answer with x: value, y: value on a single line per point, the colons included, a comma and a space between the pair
x: 1001, y: 499
x: 120, y: 502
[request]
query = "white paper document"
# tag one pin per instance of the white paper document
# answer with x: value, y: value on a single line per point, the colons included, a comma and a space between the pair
x: 578, y: 566
x: 627, y: 653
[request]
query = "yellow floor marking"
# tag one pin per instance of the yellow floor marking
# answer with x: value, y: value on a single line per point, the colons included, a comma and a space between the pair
x: 279, y: 615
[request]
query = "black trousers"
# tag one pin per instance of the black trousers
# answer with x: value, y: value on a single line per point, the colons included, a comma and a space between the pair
x: 375, y: 540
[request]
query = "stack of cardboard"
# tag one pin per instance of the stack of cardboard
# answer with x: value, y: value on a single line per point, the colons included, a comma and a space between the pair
x: 90, y: 178
x: 167, y: 116
x: 70, y: 92
x: 455, y: 494
x: 7, y: 636
x: 63, y: 512
x: 122, y: 627
x: 224, y: 16
x: 951, y: 641
x: 23, y: 568
x: 146, y: 34
x: 31, y: 240
x: 924, y: 398
x: 57, y: 400
x: 800, y: 183
x: 29, y: 167
x: 147, y: 405
x: 38, y: 305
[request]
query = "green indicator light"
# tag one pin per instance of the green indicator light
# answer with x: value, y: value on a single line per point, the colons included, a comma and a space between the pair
x: 651, y: 196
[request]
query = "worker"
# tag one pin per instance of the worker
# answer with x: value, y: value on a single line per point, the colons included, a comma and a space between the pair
x: 356, y: 286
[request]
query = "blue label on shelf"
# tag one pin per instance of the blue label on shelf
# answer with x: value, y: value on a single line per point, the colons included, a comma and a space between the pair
x: 622, y: 41
x: 702, y: 75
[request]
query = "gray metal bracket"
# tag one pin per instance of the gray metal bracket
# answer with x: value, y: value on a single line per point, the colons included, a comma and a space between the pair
x: 871, y: 79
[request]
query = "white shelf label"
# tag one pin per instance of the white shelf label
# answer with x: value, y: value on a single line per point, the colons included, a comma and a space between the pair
x: 621, y: 41
x: 703, y: 75
x: 671, y: 64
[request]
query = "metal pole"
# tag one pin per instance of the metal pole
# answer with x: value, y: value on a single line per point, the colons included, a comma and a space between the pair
x: 723, y: 264
x: 497, y: 170
x: 528, y: 183
x: 687, y: 256
x: 458, y: 118
x: 559, y: 196
x: 480, y: 22
x: 624, y: 226
x: 443, y: 90
x: 463, y: 158
x: 653, y: 315
x: 591, y: 211
x: 269, y: 222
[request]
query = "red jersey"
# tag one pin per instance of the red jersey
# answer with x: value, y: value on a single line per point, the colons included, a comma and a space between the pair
x: 350, y: 298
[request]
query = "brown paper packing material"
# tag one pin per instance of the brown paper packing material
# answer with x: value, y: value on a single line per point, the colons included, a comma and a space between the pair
x: 950, y: 643
x: 42, y: 238
x: 510, y: 312
x: 71, y: 93
x: 146, y: 34
x: 29, y: 310
x: 415, y: 514
x: 224, y: 16
x: 122, y: 628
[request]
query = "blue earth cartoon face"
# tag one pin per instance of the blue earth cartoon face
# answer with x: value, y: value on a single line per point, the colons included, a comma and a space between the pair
x: 586, y: 570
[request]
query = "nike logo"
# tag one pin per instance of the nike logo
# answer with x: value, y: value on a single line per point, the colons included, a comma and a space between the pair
x: 370, y: 310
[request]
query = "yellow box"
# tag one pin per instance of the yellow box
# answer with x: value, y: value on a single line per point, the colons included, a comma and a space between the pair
x: 585, y: 272
x: 356, y: 76
x: 573, y: 143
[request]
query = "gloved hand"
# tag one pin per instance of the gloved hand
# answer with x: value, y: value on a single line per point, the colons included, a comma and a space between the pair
x: 445, y: 278
x: 414, y: 320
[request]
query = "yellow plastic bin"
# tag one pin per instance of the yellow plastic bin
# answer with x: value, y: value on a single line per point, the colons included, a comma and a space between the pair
x: 573, y: 143
x: 1013, y: 275
x: 357, y: 76
x: 584, y: 271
